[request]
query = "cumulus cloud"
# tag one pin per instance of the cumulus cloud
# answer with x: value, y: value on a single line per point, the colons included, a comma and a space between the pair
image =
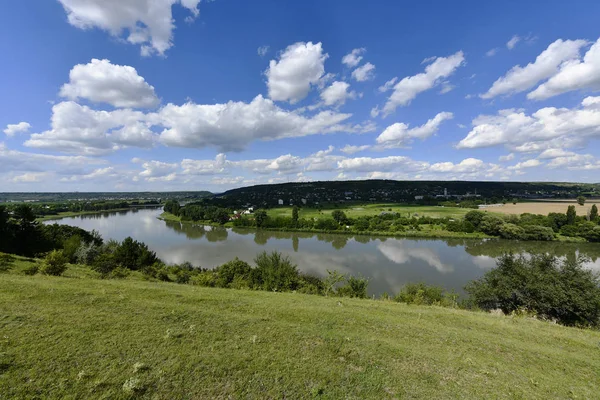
x: 508, y: 157
x: 492, y: 52
x: 299, y: 67
x: 232, y: 126
x: 353, y: 58
x: 409, y: 87
x: 369, y: 164
x: 148, y: 23
x: 12, y: 129
x: 575, y: 162
x: 547, y: 64
x: 337, y: 94
x: 349, y: 149
x: 100, y: 81
x: 82, y: 130
x: 100, y: 173
x: 156, y: 169
x: 546, y: 128
x: 364, y: 73
x: 205, y: 167
x: 31, y: 177
x: 526, y: 164
x: 388, y: 85
x: 399, y: 134
x: 573, y: 75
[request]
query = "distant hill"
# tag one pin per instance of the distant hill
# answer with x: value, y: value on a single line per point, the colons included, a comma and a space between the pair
x: 86, y: 196
x: 401, y: 191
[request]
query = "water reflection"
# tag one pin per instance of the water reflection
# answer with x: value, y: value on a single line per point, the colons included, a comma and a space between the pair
x: 389, y: 263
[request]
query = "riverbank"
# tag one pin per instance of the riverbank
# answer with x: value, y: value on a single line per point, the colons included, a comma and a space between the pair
x: 425, y: 233
x: 130, y: 337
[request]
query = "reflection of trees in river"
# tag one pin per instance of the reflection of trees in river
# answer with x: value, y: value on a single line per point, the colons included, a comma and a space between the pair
x: 495, y: 248
x: 191, y: 231
x: 217, y: 234
x: 295, y: 242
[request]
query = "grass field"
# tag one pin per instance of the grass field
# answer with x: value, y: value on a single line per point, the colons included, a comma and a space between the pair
x: 543, y: 207
x: 80, y: 337
x: 373, y: 209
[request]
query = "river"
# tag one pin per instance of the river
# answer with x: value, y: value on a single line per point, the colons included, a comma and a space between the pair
x: 389, y: 263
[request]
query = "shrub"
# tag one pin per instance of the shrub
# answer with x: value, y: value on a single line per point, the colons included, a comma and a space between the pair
x: 559, y: 290
x: 204, y: 278
x: 511, y: 231
x: 87, y: 253
x: 134, y: 255
x: 6, y: 261
x: 537, y: 232
x: 31, y: 270
x: 119, y: 273
x: 420, y: 293
x: 274, y: 272
x: 55, y: 263
x: 354, y: 287
x: 104, y: 264
x: 70, y: 247
x: 474, y: 217
x: 227, y: 272
x: 490, y: 224
x: 182, y: 277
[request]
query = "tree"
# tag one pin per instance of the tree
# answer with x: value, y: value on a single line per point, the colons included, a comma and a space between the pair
x: 571, y: 215
x: 339, y: 216
x: 172, y: 206
x: 594, y: 213
x: 581, y: 200
x: 295, y: 215
x: 260, y: 216
x: 55, y: 263
x: 134, y: 255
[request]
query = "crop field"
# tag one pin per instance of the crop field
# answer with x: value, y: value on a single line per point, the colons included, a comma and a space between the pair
x: 358, y: 210
x: 543, y: 207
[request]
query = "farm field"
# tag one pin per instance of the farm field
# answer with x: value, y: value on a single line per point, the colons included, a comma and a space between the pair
x: 544, y: 207
x: 358, y: 210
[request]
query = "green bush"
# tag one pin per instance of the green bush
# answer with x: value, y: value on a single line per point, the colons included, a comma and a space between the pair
x: 118, y: 273
x: 104, y: 264
x: 204, y: 278
x: 537, y: 232
x: 55, y: 263
x: 227, y: 272
x: 552, y: 289
x: 511, y: 231
x: 6, y: 262
x: 354, y: 287
x: 31, y: 270
x: 274, y: 272
x: 420, y: 293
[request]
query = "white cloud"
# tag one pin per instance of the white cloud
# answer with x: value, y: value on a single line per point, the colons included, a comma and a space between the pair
x: 100, y: 173
x: 519, y: 79
x: 492, y: 52
x: 546, y: 128
x: 513, y: 42
x: 364, y: 73
x: 149, y: 23
x: 447, y: 87
x: 81, y: 130
x: 575, y: 162
x: 399, y: 134
x: 262, y: 50
x: 508, y: 157
x: 14, y: 160
x: 349, y: 149
x: 555, y: 153
x: 526, y: 164
x: 337, y: 94
x: 354, y: 58
x: 232, y: 126
x: 388, y: 85
x: 157, y: 169
x: 102, y: 82
x: 12, y: 129
x: 299, y: 67
x: 469, y: 165
x: 369, y: 164
x: 573, y: 75
x: 205, y: 167
x: 31, y: 177
x: 409, y: 87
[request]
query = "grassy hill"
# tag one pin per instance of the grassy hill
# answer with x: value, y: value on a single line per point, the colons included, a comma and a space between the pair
x: 80, y: 337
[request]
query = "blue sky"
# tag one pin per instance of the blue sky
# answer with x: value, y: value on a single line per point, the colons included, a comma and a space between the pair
x: 191, y: 95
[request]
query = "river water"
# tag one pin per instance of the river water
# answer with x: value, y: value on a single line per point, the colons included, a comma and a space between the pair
x: 389, y: 263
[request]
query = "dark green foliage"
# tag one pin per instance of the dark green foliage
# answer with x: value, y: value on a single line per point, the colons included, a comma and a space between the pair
x: 31, y: 269
x: 536, y: 232
x: 326, y: 224
x: 339, y: 216
x: 491, y: 225
x: 6, y: 262
x: 571, y: 215
x: 104, y: 264
x: 182, y: 277
x: 511, y: 231
x: 70, y: 247
x: 226, y: 273
x: 295, y: 215
x: 594, y: 213
x: 274, y: 272
x: 55, y: 263
x: 172, y: 206
x: 475, y: 218
x: 580, y: 200
x: 560, y: 290
x: 134, y: 255
x: 260, y: 216
x: 556, y: 221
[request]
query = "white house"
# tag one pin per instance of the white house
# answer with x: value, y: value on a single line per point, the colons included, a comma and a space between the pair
x: 419, y: 197
x: 280, y: 202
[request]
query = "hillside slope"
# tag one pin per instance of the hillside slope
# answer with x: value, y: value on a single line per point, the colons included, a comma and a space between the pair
x: 80, y: 337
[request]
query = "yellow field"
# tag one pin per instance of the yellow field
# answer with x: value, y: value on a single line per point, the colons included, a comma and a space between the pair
x: 544, y: 207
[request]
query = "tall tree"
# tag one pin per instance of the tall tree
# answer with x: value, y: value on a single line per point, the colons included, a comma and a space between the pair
x: 571, y: 215
x: 339, y: 216
x: 295, y: 215
x: 260, y: 216
x: 594, y: 213
x: 581, y: 200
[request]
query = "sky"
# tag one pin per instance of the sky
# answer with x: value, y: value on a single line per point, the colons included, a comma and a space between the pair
x: 133, y: 95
